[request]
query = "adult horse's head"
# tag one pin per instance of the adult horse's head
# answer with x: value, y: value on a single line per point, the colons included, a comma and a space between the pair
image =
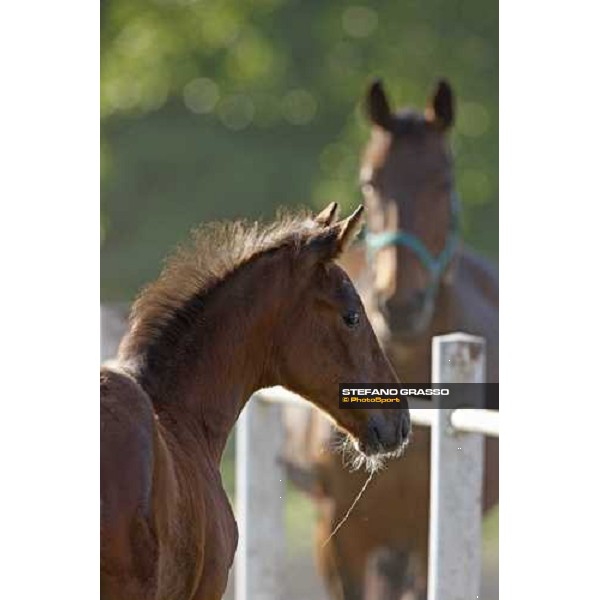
x: 407, y: 182
x: 326, y: 339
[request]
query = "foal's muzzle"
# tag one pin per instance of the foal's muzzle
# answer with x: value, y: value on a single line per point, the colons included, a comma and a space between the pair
x: 387, y: 432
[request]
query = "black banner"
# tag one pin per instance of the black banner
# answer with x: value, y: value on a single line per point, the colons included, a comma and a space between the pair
x: 435, y: 395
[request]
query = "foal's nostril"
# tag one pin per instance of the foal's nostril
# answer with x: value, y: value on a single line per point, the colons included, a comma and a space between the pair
x: 374, y: 433
x: 405, y: 426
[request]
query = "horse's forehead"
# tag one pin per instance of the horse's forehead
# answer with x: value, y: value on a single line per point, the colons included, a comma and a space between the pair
x: 409, y: 131
x: 410, y: 172
x: 409, y: 121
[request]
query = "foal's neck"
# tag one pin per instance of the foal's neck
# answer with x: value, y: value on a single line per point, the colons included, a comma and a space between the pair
x: 200, y: 379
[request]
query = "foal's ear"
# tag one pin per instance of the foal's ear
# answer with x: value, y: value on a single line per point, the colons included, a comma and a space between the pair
x: 336, y: 239
x: 378, y: 108
x: 328, y: 216
x: 348, y: 229
x: 441, y: 109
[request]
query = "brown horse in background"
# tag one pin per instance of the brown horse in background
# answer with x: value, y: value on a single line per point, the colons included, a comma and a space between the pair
x: 244, y: 307
x: 421, y: 282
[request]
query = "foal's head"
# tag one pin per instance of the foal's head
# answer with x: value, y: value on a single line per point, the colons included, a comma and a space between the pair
x: 407, y: 182
x: 326, y: 339
x: 252, y: 305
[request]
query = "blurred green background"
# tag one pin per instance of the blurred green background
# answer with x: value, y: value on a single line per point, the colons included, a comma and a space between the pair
x: 223, y: 108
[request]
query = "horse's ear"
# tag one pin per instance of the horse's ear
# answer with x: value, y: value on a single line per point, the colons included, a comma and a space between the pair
x: 328, y: 216
x: 378, y: 108
x: 441, y: 107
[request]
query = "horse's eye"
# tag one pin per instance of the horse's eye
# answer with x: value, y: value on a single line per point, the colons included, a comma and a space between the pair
x: 352, y: 319
x: 367, y: 188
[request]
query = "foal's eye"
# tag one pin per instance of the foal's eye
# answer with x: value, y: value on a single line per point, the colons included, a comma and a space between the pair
x: 352, y: 319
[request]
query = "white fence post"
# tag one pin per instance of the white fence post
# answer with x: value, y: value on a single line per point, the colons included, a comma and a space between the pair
x: 259, y: 490
x: 456, y: 478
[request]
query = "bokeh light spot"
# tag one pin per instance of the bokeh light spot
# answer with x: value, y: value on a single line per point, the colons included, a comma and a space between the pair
x: 236, y: 112
x: 201, y: 95
x: 220, y: 26
x: 251, y: 58
x: 359, y: 21
x: 299, y: 107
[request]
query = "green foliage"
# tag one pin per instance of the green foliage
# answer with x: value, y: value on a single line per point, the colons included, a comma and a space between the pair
x: 224, y: 108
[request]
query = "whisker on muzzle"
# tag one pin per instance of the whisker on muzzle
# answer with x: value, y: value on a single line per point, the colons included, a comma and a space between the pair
x: 353, y: 459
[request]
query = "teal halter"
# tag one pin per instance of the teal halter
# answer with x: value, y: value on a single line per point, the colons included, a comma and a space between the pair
x: 435, y: 265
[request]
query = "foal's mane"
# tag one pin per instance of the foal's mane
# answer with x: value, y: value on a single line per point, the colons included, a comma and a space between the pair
x: 212, y: 254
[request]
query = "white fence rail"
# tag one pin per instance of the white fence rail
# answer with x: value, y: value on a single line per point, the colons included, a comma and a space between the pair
x: 457, y: 439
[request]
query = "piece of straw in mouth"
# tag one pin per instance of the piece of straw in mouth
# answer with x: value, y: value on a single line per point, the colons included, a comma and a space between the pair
x: 345, y: 518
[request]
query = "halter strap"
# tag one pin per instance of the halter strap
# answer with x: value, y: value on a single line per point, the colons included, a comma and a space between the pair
x: 435, y: 265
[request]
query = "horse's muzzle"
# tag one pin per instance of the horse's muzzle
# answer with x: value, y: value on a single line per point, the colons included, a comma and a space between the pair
x: 410, y: 317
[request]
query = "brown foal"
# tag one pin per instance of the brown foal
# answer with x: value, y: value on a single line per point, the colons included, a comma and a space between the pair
x: 243, y: 307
